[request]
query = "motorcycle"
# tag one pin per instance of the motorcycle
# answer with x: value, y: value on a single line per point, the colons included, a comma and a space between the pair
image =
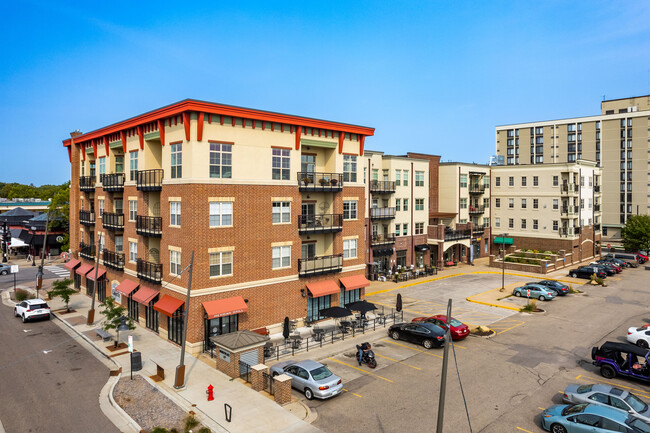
x: 366, y: 355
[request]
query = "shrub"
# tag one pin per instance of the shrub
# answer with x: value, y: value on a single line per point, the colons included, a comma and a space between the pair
x: 190, y: 423
x: 21, y: 295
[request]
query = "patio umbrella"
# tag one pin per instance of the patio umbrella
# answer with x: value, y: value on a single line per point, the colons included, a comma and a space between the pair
x: 285, y: 328
x: 361, y: 306
x: 335, y: 312
x: 398, y: 304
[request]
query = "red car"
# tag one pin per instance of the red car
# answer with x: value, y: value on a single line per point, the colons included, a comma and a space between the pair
x: 458, y: 329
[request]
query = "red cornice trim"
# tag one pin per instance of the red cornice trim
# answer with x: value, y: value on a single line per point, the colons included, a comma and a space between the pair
x: 175, y: 142
x: 221, y: 142
x: 186, y: 124
x: 298, y: 132
x: 161, y: 130
x: 199, y: 127
x: 280, y: 147
x: 123, y: 137
x: 361, y: 143
x: 141, y: 136
x: 221, y: 120
x: 233, y: 120
x: 272, y: 126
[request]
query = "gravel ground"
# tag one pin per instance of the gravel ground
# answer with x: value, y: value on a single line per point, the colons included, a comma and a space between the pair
x: 147, y: 406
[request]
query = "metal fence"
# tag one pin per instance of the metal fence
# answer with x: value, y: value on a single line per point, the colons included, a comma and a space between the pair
x: 244, y: 371
x: 267, y: 382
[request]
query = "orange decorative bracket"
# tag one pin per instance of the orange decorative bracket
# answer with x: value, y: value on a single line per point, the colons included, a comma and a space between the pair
x: 94, y: 143
x: 361, y: 143
x: 83, y: 151
x: 141, y: 136
x: 161, y: 130
x: 199, y: 127
x: 341, y: 138
x: 186, y: 124
x: 123, y: 137
x: 106, y: 144
x: 298, y: 132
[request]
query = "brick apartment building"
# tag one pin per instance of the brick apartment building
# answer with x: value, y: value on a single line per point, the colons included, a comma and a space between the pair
x: 270, y: 205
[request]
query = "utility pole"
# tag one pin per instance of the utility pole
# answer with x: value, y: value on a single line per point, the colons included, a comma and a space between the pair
x: 91, y: 312
x: 443, y: 375
x: 179, y: 380
x: 39, y: 275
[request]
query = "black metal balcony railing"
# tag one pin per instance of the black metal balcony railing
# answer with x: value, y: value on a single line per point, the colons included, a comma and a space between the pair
x: 113, y: 221
x: 148, y: 226
x: 87, y: 183
x: 149, y: 180
x: 87, y: 251
x: 148, y: 271
x: 569, y: 188
x: 596, y: 208
x: 564, y: 232
x: 326, y: 223
x: 87, y: 217
x: 113, y: 182
x: 454, y: 235
x: 382, y: 212
x: 312, y: 181
x: 320, y: 265
x: 382, y: 186
x: 476, y: 189
x: 113, y: 260
x: 596, y: 188
x: 478, y: 231
x: 473, y: 210
x: 569, y: 209
x: 597, y: 227
x: 383, y: 239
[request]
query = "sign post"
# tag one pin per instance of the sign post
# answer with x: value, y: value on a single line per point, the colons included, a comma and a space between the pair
x: 130, y: 338
x: 14, y: 270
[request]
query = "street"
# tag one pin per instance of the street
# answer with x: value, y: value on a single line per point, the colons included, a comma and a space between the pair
x: 27, y: 274
x: 50, y: 383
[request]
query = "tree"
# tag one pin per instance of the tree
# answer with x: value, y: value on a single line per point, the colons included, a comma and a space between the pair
x: 63, y: 290
x: 636, y: 233
x: 113, y: 313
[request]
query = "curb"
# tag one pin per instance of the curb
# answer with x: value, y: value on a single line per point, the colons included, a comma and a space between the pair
x: 492, y: 305
x: 129, y: 424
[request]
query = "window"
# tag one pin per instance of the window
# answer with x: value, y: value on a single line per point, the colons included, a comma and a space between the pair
x: 177, y: 160
x: 133, y: 210
x: 486, y: 221
x: 463, y: 203
x: 175, y: 213
x: 419, y: 178
x: 282, y: 212
x: 349, y: 168
x: 555, y: 225
x: 398, y: 204
x: 497, y: 181
x: 221, y: 264
x: 582, y: 181
x: 486, y: 181
x: 315, y: 305
x: 221, y: 160
x: 281, y: 257
x: 133, y: 252
x: 419, y: 204
x: 220, y: 214
x: 523, y: 203
x: 419, y: 228
x: 280, y: 164
x: 406, y: 204
x: 406, y: 178
x: 511, y: 203
x: 405, y: 229
x: 119, y: 163
x: 555, y: 204
x: 398, y: 177
x: 497, y: 202
x: 397, y: 229
x: 463, y: 181
x: 101, y: 241
x: 511, y: 223
x: 535, y: 180
x: 349, y: 248
x: 349, y: 209
x: 133, y: 165
x: 497, y: 222
x: 511, y: 181
x: 374, y: 175
x: 591, y: 203
x: 523, y: 224
x: 102, y: 166
x: 582, y: 203
x: 101, y: 206
x: 349, y: 296
x: 174, y: 262
x: 523, y: 181
x: 119, y: 243
x: 556, y: 180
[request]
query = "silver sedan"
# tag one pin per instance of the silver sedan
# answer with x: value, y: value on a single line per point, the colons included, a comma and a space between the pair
x: 310, y: 377
x: 607, y: 395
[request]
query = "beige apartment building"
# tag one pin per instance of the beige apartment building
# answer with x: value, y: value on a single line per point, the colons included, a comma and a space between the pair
x: 617, y: 139
x: 548, y: 207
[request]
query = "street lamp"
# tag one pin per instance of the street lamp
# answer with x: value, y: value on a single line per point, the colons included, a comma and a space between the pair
x: 503, y: 261
x: 33, y: 246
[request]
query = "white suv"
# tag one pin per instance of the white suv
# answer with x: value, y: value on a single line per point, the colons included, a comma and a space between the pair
x: 32, y: 309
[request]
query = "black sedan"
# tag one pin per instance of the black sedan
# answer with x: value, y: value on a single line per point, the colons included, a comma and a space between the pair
x: 587, y: 272
x: 424, y: 333
x: 557, y: 287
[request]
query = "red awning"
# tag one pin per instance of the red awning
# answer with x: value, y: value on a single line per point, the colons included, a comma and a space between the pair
x: 354, y: 282
x: 145, y: 295
x: 225, y: 307
x: 73, y: 263
x: 100, y: 274
x: 168, y: 305
x: 84, y: 269
x: 126, y: 287
x: 323, y: 288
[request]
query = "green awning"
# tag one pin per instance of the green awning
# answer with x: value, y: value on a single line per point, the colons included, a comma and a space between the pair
x: 501, y: 241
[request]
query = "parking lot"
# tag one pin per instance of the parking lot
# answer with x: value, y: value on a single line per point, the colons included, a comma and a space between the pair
x: 508, y: 379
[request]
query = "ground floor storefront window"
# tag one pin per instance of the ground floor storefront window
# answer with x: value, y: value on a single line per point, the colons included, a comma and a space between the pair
x: 220, y: 326
x: 401, y: 258
x: 175, y: 326
x: 350, y: 296
x: 90, y: 286
x: 133, y: 308
x: 419, y: 259
x: 314, y: 305
x: 151, y: 315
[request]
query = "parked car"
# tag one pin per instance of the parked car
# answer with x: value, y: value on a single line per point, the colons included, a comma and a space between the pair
x: 616, y: 266
x: 621, y: 359
x: 310, y: 377
x: 639, y: 336
x: 607, y: 395
x: 643, y: 255
x: 555, y: 286
x: 32, y: 309
x: 536, y: 291
x: 587, y: 272
x: 632, y: 259
x: 424, y: 333
x: 458, y: 329
x: 581, y: 418
x: 604, y: 267
x: 621, y: 263
x: 4, y: 269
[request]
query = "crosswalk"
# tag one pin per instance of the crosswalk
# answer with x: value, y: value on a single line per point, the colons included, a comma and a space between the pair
x: 58, y: 271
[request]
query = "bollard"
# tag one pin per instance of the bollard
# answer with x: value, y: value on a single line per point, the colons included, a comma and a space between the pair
x: 210, y: 392
x: 228, y: 410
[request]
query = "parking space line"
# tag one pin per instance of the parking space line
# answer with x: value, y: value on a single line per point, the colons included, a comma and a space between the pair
x: 523, y: 429
x: 397, y: 361
x: 541, y: 408
x: 354, y: 394
x: 588, y: 378
x: 411, y: 348
x: 360, y: 369
x: 507, y: 329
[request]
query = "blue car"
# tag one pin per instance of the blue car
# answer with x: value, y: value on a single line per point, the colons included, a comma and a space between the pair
x: 537, y: 291
x: 583, y: 418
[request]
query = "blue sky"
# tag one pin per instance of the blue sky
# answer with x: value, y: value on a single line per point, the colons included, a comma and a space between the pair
x: 431, y: 76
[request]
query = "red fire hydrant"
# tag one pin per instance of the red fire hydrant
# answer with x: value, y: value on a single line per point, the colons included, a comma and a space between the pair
x: 210, y: 392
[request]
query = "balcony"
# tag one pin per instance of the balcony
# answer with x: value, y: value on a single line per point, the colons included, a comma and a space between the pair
x: 149, y: 226
x: 596, y: 208
x: 87, y: 217
x: 382, y: 187
x: 378, y: 213
x: 113, y: 260
x: 477, y: 189
x: 596, y: 188
x: 569, y: 210
x: 87, y: 183
x: 454, y: 235
x: 149, y: 180
x: 148, y: 271
x: 113, y: 221
x: 570, y: 188
x: 327, y: 223
x: 597, y: 227
x: 476, y: 210
x: 388, y: 239
x: 113, y: 182
x: 320, y: 265
x: 87, y: 251
x: 326, y: 182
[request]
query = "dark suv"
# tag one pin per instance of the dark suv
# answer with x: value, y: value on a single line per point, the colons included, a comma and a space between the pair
x: 622, y: 359
x: 587, y: 272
